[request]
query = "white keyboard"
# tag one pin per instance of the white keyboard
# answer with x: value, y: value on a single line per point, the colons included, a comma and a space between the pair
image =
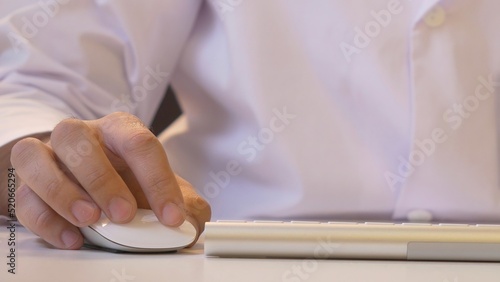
x: 353, y: 240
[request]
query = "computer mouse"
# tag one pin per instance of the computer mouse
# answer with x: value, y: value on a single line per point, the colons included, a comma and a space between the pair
x: 143, y: 234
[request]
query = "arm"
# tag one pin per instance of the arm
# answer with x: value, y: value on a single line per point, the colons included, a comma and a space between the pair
x: 91, y: 60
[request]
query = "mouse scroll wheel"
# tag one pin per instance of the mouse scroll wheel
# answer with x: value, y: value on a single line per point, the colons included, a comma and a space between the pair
x: 149, y: 218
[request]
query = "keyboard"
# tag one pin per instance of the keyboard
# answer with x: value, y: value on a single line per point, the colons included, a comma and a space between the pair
x: 353, y: 240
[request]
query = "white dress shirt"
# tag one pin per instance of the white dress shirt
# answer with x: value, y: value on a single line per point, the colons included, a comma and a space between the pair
x: 325, y: 109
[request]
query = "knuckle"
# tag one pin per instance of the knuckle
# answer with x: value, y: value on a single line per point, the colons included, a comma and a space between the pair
x: 42, y: 220
x: 121, y: 124
x: 22, y: 194
x: 120, y: 115
x: 125, y: 118
x: 23, y: 152
x: 159, y: 184
x: 52, y: 188
x: 30, y: 214
x: 67, y: 130
x: 23, y: 207
x: 97, y: 179
x: 201, y: 207
x: 140, y: 140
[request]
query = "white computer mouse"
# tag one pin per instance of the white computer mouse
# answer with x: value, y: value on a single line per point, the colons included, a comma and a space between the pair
x: 143, y: 234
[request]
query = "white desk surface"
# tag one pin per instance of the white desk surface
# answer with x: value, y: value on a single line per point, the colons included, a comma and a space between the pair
x: 38, y: 262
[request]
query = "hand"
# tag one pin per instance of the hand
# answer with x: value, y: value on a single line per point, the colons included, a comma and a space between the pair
x: 113, y: 164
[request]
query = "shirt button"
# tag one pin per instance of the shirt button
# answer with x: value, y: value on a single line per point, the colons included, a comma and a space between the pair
x: 419, y: 216
x: 435, y: 17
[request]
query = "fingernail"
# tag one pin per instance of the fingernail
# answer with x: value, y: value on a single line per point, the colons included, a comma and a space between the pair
x: 172, y: 214
x: 83, y: 210
x: 69, y: 238
x: 120, y: 209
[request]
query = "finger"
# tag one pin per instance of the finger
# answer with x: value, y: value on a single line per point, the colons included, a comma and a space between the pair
x: 79, y: 148
x: 127, y: 137
x: 128, y: 177
x: 36, y: 165
x: 196, y: 207
x: 198, y: 211
x: 135, y: 188
x: 38, y: 217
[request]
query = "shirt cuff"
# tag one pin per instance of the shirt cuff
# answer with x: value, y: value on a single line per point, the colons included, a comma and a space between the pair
x: 26, y: 117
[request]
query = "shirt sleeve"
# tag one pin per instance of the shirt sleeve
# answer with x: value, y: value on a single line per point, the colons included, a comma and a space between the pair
x: 86, y: 59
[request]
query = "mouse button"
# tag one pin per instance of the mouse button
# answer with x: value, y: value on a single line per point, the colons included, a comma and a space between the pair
x: 161, y: 236
x: 144, y: 235
x: 149, y: 218
x: 122, y: 234
x: 185, y: 230
x: 102, y: 221
x: 144, y: 216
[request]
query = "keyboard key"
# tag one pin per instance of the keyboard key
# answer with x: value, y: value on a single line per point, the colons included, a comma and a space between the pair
x: 379, y: 223
x: 267, y: 221
x: 305, y: 222
x: 232, y: 221
x: 416, y: 224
